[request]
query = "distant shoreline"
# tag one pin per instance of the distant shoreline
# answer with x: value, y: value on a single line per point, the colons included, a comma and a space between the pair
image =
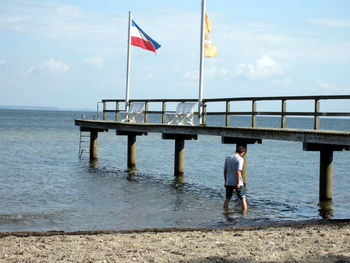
x: 38, y: 108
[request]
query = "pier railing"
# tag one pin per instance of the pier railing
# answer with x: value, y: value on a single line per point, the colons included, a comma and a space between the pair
x: 314, y: 101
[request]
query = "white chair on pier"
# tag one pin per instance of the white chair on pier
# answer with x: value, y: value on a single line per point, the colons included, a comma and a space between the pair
x: 136, y: 109
x: 183, y: 114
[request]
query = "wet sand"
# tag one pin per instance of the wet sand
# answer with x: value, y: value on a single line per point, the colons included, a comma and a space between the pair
x: 310, y: 242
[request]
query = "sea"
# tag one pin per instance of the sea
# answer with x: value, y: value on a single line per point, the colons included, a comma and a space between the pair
x: 46, y: 186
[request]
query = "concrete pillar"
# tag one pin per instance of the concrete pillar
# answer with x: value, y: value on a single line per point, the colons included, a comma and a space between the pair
x: 93, y: 145
x: 131, y: 146
x: 179, y: 157
x: 326, y: 166
x: 326, y: 175
x: 179, y: 149
x: 132, y: 151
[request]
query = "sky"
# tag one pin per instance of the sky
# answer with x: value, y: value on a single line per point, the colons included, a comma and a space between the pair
x: 72, y: 54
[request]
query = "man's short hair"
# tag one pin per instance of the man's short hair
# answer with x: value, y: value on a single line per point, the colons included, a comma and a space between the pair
x: 240, y: 149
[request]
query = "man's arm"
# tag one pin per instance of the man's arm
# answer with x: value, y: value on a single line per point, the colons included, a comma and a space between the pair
x: 225, y: 176
x: 238, y: 172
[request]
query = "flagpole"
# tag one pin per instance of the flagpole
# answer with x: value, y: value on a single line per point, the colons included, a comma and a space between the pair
x: 128, y: 65
x: 201, y: 67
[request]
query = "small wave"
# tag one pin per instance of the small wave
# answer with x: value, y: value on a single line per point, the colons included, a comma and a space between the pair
x: 18, y: 217
x: 22, y: 217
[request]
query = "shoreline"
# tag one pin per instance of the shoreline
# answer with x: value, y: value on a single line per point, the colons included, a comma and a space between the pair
x: 298, y: 224
x: 322, y: 241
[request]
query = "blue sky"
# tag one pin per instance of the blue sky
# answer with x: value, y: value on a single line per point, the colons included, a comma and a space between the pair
x: 71, y: 54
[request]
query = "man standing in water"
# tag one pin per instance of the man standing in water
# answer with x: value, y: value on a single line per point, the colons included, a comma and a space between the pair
x: 233, y: 178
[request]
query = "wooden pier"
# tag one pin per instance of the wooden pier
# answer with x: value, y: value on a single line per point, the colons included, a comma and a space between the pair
x: 324, y: 141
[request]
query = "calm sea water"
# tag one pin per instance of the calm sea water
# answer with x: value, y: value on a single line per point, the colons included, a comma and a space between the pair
x: 45, y: 186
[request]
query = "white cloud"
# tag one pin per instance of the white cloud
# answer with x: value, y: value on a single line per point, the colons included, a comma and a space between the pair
x: 209, y: 73
x: 54, y: 67
x: 12, y: 22
x: 148, y: 76
x: 336, y: 23
x: 95, y: 61
x: 215, y: 72
x: 68, y: 11
x: 60, y: 21
x: 191, y: 75
x: 30, y: 70
x: 2, y: 62
x: 263, y: 67
x: 283, y: 83
x: 322, y: 87
x: 295, y: 45
x: 223, y: 73
x: 50, y: 66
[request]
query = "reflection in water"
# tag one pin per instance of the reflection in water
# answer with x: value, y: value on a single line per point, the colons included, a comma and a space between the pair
x: 93, y: 163
x: 178, y: 182
x: 325, y: 210
x: 131, y: 175
x: 131, y: 170
x: 234, y: 215
x: 232, y: 221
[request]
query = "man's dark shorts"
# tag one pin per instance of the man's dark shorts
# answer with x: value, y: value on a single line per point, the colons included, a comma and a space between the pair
x: 239, y: 191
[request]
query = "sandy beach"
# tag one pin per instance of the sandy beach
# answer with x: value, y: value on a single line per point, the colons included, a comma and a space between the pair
x: 316, y: 242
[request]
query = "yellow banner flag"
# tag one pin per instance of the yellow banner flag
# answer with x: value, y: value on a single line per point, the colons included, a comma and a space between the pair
x: 209, y: 48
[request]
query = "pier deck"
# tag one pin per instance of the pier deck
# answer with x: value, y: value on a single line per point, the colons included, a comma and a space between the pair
x: 328, y: 137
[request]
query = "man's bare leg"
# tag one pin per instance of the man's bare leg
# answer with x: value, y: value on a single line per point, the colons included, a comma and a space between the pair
x: 227, y: 201
x: 244, y: 204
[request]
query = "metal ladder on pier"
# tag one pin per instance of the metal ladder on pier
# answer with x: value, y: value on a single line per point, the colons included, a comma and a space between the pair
x: 84, y: 143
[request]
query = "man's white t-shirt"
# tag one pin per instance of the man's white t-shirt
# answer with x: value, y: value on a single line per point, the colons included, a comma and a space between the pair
x: 233, y: 163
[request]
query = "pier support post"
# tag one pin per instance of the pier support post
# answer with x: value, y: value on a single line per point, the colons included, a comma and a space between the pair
x: 244, y: 170
x: 93, y: 145
x: 326, y: 166
x: 241, y: 142
x: 93, y: 141
x: 179, y: 150
x: 132, y: 152
x: 326, y: 175
x: 131, y: 146
x: 179, y: 157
